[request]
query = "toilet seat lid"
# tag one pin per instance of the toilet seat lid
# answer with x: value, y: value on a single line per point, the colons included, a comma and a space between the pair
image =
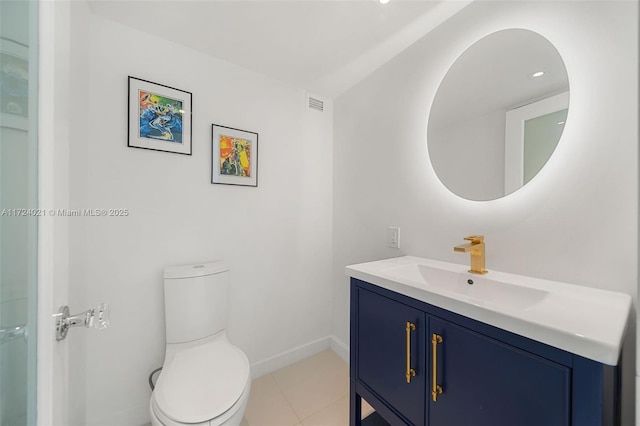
x: 202, y: 382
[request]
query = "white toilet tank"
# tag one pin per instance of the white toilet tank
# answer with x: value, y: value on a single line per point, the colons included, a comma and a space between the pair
x: 195, y: 300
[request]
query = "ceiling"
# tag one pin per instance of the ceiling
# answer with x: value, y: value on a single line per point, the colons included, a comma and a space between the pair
x: 322, y: 46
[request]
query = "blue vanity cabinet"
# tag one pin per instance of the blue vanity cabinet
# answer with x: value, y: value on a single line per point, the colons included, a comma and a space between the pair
x: 486, y: 382
x: 481, y: 375
x: 390, y: 358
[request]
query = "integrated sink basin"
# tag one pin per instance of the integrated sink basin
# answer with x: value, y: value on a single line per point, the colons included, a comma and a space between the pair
x: 479, y: 290
x: 582, y: 320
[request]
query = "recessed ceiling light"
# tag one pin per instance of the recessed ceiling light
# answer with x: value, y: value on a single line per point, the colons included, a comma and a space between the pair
x: 537, y: 74
x: 383, y: 1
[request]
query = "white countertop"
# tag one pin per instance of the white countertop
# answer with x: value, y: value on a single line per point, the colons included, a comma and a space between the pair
x: 582, y: 320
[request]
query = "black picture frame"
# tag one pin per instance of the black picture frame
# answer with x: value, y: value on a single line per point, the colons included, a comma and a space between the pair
x: 234, y: 156
x: 159, y: 117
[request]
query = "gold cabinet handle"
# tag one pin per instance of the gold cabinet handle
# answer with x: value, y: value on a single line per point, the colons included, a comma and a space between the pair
x: 436, y: 389
x: 410, y: 371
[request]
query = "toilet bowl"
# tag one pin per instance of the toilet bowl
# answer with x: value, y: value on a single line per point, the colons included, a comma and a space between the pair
x: 205, y: 380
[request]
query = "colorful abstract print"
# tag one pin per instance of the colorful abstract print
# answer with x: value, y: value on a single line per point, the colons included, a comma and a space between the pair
x: 235, y: 156
x: 160, y: 117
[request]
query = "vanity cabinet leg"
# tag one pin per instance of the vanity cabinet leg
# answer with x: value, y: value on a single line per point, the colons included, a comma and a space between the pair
x: 355, y: 406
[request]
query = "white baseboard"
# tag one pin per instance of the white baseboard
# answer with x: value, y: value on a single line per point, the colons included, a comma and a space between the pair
x: 138, y: 415
x: 340, y: 348
x: 276, y: 362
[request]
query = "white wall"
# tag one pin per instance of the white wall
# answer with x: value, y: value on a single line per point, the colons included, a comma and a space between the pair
x: 276, y: 238
x: 576, y: 221
x: 459, y: 147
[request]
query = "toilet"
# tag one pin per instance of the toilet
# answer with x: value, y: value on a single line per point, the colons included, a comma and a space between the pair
x: 205, y: 380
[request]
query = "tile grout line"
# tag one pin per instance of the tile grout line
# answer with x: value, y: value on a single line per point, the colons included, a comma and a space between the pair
x: 300, y: 420
x: 327, y: 406
x: 285, y: 398
x: 321, y: 409
x: 333, y: 397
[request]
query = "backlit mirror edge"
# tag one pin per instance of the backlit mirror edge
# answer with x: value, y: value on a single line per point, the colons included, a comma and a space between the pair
x: 443, y: 74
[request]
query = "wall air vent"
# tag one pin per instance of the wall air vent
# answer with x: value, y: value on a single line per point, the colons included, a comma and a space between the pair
x: 316, y: 104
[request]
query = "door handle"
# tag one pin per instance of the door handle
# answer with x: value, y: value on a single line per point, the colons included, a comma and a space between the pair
x: 97, y: 317
x: 410, y: 371
x: 436, y: 389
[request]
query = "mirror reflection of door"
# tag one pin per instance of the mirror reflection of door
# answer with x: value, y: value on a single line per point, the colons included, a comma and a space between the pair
x: 541, y: 135
x: 532, y: 133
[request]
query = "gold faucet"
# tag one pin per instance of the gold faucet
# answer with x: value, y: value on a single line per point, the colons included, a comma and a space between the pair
x: 476, y: 249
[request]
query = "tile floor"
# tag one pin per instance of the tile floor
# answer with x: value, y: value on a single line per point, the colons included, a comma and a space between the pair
x: 312, y: 392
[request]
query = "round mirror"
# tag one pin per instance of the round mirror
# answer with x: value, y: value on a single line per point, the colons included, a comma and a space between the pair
x: 498, y: 114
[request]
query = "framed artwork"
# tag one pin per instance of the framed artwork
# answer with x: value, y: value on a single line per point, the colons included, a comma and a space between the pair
x: 14, y: 90
x: 159, y: 117
x: 234, y: 156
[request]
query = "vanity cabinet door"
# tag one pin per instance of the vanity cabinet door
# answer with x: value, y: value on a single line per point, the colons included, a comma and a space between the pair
x: 383, y: 342
x: 488, y: 383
